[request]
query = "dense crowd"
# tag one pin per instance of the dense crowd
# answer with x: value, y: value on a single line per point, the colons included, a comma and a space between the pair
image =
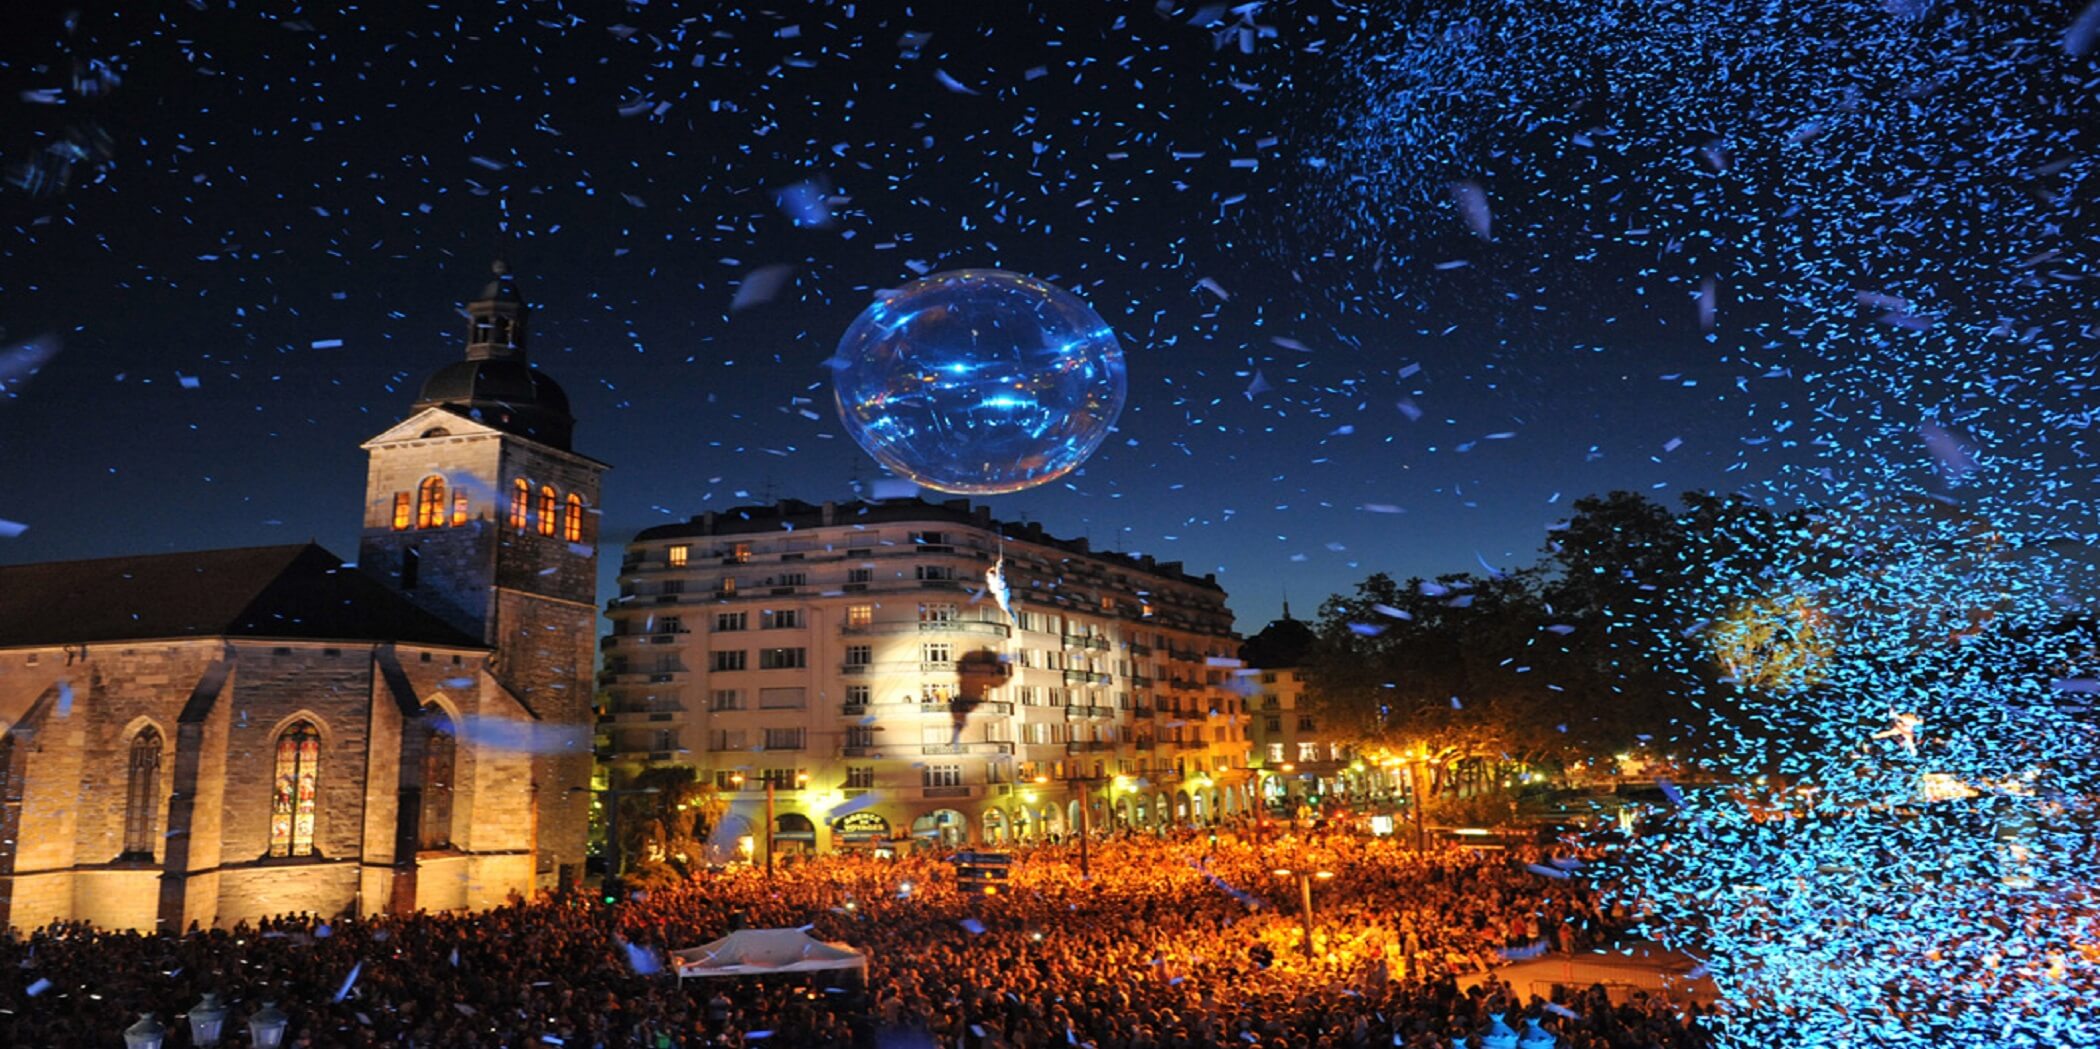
x: 1172, y: 944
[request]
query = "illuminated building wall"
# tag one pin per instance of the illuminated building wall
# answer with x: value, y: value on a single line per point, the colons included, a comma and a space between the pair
x: 854, y: 643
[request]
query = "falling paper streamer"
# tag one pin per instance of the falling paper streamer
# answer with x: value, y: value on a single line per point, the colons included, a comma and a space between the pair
x: 760, y: 286
x: 349, y: 981
x: 22, y: 360
x: 1473, y: 207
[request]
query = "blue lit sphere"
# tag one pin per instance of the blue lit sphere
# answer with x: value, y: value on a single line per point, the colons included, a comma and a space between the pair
x: 979, y: 381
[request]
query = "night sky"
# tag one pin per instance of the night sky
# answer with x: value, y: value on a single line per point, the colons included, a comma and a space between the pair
x: 272, y: 213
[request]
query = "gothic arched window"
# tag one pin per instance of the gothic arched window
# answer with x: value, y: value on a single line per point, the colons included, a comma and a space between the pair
x: 440, y: 753
x: 293, y: 797
x: 572, y: 524
x: 142, y: 793
x: 550, y: 508
x: 402, y: 507
x: 430, y: 503
x: 520, y: 502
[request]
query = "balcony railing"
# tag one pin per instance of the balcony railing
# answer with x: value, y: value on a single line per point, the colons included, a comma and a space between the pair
x: 945, y: 626
x: 1089, y: 712
x: 1085, y: 746
x: 948, y: 792
x: 994, y: 746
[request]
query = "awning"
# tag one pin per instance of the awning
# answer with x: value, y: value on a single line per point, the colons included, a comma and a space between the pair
x: 759, y: 952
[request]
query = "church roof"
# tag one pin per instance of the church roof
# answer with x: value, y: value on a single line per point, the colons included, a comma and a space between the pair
x: 295, y: 592
x: 509, y: 395
x: 1283, y: 643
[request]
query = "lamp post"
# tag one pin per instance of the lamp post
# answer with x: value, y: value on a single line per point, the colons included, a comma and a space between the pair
x: 1079, y: 785
x: 266, y: 1027
x: 207, y: 1020
x: 1305, y: 880
x: 148, y: 1033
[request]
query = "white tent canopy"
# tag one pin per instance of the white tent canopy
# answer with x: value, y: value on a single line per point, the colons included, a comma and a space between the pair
x: 758, y: 952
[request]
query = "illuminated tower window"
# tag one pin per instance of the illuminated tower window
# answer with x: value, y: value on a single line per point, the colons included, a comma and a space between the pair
x: 402, y: 506
x: 550, y: 509
x: 430, y: 503
x: 520, y: 502
x: 572, y: 522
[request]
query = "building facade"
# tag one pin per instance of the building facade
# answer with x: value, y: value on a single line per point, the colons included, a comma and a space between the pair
x: 1298, y: 759
x: 224, y: 735
x: 850, y: 655
x: 477, y: 510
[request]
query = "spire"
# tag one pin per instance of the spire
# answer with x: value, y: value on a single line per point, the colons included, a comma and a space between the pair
x: 496, y: 320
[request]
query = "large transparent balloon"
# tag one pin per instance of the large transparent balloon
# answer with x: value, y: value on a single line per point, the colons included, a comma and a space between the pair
x: 979, y: 381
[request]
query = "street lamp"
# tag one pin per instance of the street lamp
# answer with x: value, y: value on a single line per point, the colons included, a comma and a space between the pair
x: 266, y: 1027
x: 1305, y: 880
x: 148, y: 1033
x: 207, y: 1019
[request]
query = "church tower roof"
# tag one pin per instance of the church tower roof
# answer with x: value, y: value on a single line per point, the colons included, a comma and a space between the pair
x: 496, y: 384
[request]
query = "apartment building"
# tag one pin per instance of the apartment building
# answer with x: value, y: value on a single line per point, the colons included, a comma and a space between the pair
x: 850, y: 656
x: 1298, y: 759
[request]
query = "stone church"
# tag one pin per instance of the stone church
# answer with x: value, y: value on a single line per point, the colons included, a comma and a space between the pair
x: 222, y: 735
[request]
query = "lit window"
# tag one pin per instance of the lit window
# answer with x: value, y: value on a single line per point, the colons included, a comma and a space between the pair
x: 550, y: 509
x: 430, y: 503
x: 294, y: 795
x: 403, y: 506
x: 459, y: 508
x: 740, y: 553
x: 520, y: 502
x: 572, y: 524
x: 860, y: 615
x: 679, y: 554
x: 142, y: 793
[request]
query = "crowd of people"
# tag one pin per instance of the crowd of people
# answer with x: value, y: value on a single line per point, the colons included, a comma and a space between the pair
x: 1170, y: 944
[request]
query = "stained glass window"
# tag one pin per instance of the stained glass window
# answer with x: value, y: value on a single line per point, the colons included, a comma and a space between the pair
x: 550, y: 508
x: 520, y: 502
x: 142, y: 792
x: 439, y: 750
x: 293, y: 798
x: 430, y: 503
x: 572, y: 522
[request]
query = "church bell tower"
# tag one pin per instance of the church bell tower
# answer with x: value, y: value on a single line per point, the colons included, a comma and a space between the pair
x: 477, y: 509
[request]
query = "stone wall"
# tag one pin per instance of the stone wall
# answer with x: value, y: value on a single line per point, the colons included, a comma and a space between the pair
x: 545, y: 653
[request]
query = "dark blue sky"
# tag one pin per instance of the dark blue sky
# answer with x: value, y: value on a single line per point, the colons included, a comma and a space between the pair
x: 287, y: 209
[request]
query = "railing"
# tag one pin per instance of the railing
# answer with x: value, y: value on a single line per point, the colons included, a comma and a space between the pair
x: 1144, y: 744
x: 992, y: 746
x: 855, y: 752
x: 1085, y: 677
x: 1137, y: 649
x: 1089, y: 712
x: 1084, y: 746
x: 947, y: 792
x: 944, y: 626
x: 1140, y: 681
